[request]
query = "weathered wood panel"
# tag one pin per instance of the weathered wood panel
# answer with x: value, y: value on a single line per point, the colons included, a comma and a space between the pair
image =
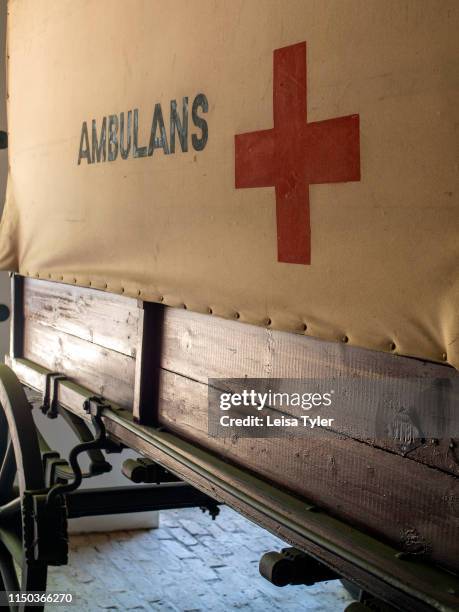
x: 106, y: 319
x: 203, y: 347
x: 397, y: 498
x: 200, y: 347
x: 104, y: 372
x: 89, y: 335
x: 410, y: 504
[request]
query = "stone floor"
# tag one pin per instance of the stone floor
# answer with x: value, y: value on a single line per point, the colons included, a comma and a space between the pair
x: 189, y: 564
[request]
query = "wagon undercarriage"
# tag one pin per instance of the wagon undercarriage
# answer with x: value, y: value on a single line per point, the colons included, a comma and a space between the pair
x: 39, y: 493
x: 39, y: 490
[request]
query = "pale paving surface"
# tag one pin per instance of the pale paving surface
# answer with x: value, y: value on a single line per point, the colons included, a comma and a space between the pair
x: 189, y: 564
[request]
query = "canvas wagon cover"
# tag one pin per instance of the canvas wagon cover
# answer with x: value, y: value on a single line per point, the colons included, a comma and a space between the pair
x: 289, y: 163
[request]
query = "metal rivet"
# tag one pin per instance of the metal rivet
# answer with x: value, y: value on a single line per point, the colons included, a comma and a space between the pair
x: 344, y: 339
x: 268, y: 321
x: 209, y: 310
x: 392, y: 346
x: 236, y: 315
x: 161, y: 298
x: 444, y: 356
x: 305, y: 327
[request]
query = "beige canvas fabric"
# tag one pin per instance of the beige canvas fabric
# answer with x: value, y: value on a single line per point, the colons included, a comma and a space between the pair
x: 173, y: 227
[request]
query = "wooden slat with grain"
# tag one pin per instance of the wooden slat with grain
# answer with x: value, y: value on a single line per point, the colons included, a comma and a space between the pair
x: 200, y: 347
x: 106, y: 319
x: 404, y: 501
x: 104, y: 371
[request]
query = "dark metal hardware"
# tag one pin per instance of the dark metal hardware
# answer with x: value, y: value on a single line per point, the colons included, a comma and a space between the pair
x: 99, y: 502
x: 98, y: 464
x: 93, y: 406
x: 146, y: 470
x: 53, y: 411
x: 292, y: 566
x: 49, y: 402
x: 4, y: 313
x: 370, y: 604
x: 213, y: 508
x: 3, y: 139
x: 44, y: 528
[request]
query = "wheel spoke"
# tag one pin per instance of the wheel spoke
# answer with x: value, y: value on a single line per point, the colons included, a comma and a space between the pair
x: 12, y: 541
x: 10, y: 509
x: 21, y: 470
x: 7, y: 473
x: 8, y: 571
x: 3, y: 435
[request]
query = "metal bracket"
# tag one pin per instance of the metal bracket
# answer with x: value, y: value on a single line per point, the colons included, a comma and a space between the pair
x: 146, y: 470
x: 292, y: 566
x: 50, y: 404
x: 94, y: 406
x: 44, y: 528
x: 54, y: 407
x: 212, y: 507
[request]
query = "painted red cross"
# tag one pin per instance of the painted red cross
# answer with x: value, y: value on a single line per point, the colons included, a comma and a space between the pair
x: 296, y: 154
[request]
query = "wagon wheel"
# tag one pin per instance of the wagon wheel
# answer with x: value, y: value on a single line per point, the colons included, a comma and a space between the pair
x: 20, y: 470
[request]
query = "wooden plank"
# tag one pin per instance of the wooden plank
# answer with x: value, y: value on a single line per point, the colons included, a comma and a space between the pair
x: 106, y: 319
x: 201, y: 347
x: 105, y: 372
x: 148, y: 360
x: 395, y: 498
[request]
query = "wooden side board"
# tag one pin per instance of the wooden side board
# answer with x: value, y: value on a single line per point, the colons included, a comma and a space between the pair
x: 156, y: 361
x: 199, y: 347
x: 89, y: 335
x: 413, y: 506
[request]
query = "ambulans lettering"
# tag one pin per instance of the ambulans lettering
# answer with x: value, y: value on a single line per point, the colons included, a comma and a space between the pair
x: 120, y: 135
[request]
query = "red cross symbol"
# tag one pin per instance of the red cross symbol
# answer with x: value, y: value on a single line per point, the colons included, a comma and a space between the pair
x: 295, y: 154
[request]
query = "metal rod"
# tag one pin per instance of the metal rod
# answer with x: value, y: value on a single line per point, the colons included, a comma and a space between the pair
x: 120, y: 500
